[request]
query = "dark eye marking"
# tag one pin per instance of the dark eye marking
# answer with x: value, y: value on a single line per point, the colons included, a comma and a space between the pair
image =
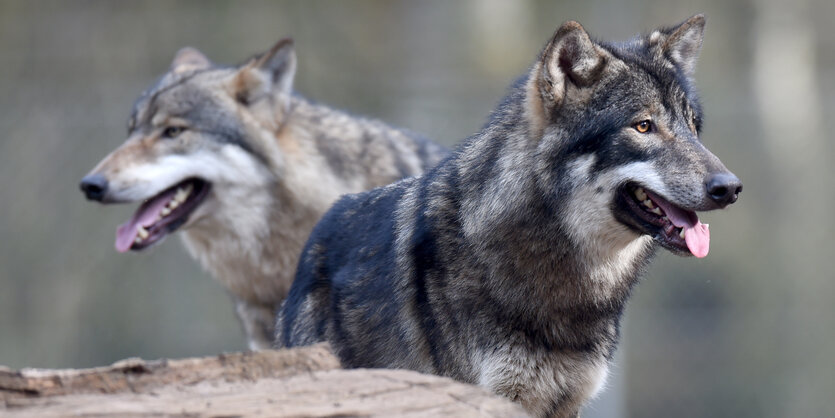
x: 172, y: 132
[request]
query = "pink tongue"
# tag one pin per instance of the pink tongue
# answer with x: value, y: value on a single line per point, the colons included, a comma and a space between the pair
x: 698, y: 239
x: 696, y: 234
x: 146, y: 215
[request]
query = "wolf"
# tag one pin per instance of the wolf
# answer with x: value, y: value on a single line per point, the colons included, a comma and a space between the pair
x: 508, y: 265
x: 244, y: 167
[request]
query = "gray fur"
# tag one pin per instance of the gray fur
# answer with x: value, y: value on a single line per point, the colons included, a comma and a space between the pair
x: 510, y: 263
x: 275, y: 162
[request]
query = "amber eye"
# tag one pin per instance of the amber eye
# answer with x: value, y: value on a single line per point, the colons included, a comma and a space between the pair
x: 172, y: 131
x: 643, y: 126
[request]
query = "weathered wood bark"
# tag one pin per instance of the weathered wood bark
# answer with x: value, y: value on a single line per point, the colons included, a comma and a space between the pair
x: 298, y: 382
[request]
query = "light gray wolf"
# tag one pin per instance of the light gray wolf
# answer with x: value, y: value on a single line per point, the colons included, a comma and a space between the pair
x: 508, y: 265
x: 245, y: 168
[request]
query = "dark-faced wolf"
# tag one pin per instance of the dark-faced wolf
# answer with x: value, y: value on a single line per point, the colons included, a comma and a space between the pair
x: 245, y: 168
x: 508, y: 265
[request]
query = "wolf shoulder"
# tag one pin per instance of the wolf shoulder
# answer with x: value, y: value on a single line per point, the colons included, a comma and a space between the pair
x: 351, y: 244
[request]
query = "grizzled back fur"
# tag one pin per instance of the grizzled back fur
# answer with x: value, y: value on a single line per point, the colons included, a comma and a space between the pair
x: 509, y: 264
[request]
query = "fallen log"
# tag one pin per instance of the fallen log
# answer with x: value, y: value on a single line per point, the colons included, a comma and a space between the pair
x: 284, y: 383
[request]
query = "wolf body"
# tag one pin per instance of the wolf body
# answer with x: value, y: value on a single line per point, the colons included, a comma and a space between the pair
x: 245, y: 168
x: 509, y: 264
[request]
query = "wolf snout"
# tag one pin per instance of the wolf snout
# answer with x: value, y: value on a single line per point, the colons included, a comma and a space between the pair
x: 723, y: 188
x: 94, y: 186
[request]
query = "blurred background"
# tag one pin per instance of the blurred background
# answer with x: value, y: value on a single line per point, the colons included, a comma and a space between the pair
x: 748, y: 331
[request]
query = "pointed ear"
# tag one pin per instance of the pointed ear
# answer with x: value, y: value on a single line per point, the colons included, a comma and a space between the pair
x: 188, y: 59
x: 280, y: 64
x: 571, y: 57
x: 573, y: 54
x: 269, y: 74
x: 684, y: 43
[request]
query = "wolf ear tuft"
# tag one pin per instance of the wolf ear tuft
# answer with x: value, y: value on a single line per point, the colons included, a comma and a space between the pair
x: 280, y: 64
x: 268, y: 76
x: 573, y: 51
x: 571, y: 57
x: 189, y: 59
x: 684, y: 43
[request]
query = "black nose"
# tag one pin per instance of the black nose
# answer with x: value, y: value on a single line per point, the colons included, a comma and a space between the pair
x: 94, y: 186
x: 723, y: 188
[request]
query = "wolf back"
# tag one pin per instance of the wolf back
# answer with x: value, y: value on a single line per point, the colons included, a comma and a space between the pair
x: 509, y: 264
x: 245, y: 168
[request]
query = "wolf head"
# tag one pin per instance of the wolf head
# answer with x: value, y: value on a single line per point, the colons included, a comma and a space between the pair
x: 197, y: 141
x: 619, y: 127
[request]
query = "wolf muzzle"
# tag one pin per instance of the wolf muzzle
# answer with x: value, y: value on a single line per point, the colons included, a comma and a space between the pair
x: 723, y: 188
x: 94, y: 187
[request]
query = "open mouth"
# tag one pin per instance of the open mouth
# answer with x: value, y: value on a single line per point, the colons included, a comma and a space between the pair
x: 675, y: 228
x: 161, y: 215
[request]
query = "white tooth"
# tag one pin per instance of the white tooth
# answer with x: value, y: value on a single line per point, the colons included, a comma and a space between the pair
x: 137, y: 240
x: 657, y: 211
x: 665, y: 218
x: 143, y: 233
x: 173, y: 204
x: 681, y: 234
x: 182, y: 193
x: 648, y: 203
x: 165, y: 211
x: 640, y: 194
